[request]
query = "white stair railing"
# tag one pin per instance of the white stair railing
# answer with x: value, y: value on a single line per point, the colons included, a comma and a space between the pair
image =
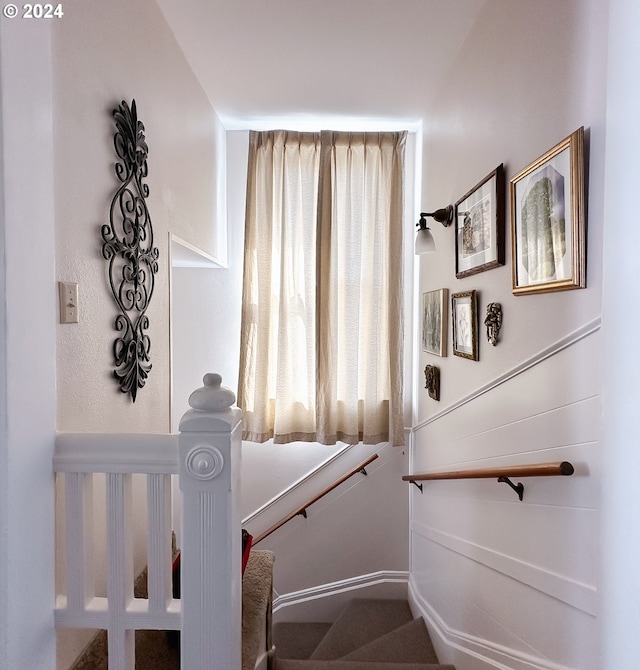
x: 205, y: 457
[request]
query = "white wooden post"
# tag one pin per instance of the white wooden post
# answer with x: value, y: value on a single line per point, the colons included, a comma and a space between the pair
x: 211, y: 581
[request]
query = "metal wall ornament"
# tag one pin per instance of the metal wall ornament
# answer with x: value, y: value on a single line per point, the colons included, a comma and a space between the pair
x: 493, y: 322
x: 128, y: 247
x: 432, y: 381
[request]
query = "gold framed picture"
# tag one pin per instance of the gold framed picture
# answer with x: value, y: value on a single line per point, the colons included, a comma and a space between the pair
x: 548, y: 220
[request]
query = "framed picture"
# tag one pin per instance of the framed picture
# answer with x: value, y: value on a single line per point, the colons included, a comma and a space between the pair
x: 548, y: 220
x: 434, y: 321
x: 479, y: 217
x: 465, y: 324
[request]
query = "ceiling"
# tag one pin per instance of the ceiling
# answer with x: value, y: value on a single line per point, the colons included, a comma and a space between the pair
x: 313, y: 63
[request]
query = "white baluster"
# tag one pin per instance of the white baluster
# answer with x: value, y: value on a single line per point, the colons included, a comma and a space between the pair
x: 159, y: 541
x: 121, y: 640
x: 78, y: 487
x: 211, y: 583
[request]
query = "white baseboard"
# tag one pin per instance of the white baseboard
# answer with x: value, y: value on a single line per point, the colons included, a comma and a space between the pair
x: 325, y: 601
x: 478, y: 653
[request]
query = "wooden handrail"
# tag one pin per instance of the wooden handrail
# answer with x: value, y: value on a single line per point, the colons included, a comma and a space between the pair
x: 503, y: 474
x: 302, y: 509
x: 535, y: 470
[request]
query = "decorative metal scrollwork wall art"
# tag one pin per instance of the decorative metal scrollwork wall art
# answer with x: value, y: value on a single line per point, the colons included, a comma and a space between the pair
x: 128, y: 247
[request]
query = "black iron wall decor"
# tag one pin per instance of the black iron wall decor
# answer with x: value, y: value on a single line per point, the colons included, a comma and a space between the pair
x: 127, y: 243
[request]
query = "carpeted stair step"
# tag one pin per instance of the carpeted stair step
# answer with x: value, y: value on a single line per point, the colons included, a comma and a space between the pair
x: 361, y: 622
x: 298, y: 640
x: 356, y: 665
x: 408, y: 644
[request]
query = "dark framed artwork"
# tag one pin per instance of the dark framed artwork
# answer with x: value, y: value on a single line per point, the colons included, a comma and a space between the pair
x: 480, y: 224
x: 464, y: 316
x: 434, y: 321
x: 548, y: 220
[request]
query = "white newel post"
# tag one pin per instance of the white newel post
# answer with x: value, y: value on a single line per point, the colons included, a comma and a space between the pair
x: 211, y: 581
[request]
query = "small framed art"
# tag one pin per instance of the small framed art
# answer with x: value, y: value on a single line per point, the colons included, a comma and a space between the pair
x: 465, y: 324
x: 479, y: 217
x: 434, y: 321
x: 548, y: 220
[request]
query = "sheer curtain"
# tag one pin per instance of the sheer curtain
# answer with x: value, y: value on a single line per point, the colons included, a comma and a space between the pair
x: 322, y: 320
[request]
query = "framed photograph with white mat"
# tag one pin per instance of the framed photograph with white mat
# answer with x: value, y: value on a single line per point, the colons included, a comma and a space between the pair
x: 479, y: 217
x: 434, y: 321
x: 464, y: 316
x: 548, y: 220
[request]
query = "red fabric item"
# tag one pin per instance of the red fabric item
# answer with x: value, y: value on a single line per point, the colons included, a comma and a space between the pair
x: 246, y: 551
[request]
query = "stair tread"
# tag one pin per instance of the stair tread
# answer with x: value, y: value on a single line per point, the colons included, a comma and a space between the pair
x: 408, y: 644
x: 298, y: 640
x: 289, y: 664
x: 361, y: 622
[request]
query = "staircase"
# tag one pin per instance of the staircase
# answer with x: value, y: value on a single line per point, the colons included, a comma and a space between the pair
x: 368, y: 635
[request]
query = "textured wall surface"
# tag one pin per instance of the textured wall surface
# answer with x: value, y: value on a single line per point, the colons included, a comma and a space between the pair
x: 105, y: 53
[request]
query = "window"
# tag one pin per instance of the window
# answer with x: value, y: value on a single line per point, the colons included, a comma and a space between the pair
x: 322, y: 320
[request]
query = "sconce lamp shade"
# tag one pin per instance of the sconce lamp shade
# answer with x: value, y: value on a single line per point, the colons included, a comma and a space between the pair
x: 424, y: 241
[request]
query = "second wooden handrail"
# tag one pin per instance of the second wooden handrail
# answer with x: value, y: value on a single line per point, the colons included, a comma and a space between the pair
x: 328, y: 489
x: 535, y: 470
x: 503, y: 474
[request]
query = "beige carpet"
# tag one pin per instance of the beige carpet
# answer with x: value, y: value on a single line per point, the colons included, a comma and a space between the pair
x: 153, y: 650
x: 368, y: 635
x: 357, y: 665
x: 256, y: 605
x: 362, y: 622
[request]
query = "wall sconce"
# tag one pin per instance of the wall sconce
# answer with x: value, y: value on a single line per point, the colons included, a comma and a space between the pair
x: 424, y: 239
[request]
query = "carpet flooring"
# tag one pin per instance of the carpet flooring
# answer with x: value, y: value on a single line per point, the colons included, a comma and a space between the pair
x: 160, y: 650
x: 368, y: 635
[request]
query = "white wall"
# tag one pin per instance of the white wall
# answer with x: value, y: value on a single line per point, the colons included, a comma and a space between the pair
x: 214, y: 294
x: 482, y: 562
x: 105, y: 53
x: 620, y: 542
x: 516, y: 582
x: 352, y: 544
x: 27, y: 371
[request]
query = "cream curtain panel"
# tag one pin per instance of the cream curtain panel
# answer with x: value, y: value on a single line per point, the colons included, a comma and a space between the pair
x: 322, y: 316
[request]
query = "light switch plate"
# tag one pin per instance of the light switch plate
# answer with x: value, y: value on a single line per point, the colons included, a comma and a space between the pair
x: 68, y: 301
